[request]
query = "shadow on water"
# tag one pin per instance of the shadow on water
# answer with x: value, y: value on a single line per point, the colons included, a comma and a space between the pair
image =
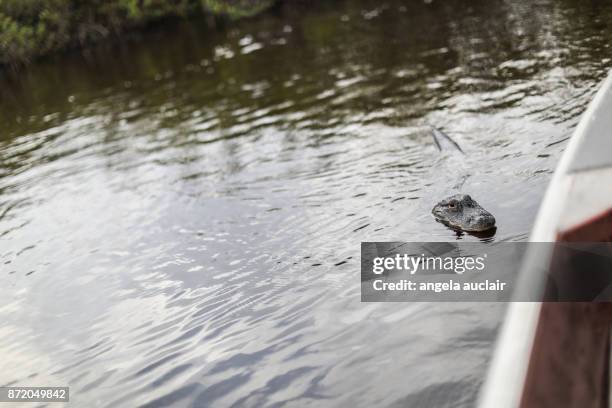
x: 181, y: 217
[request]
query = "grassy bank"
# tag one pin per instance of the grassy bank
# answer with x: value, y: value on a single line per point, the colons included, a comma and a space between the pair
x: 33, y: 28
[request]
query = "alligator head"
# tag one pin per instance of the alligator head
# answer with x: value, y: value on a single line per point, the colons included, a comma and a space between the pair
x: 462, y: 212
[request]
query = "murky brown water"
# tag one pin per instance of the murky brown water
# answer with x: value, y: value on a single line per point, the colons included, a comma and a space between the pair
x: 181, y: 218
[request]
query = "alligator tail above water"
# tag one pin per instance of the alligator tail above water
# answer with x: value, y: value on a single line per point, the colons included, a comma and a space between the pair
x: 459, y: 211
x: 443, y: 141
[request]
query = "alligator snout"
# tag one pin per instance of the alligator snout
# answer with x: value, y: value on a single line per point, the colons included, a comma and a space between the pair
x: 464, y: 213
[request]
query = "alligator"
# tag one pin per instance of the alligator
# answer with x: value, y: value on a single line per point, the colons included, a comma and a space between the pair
x: 460, y: 211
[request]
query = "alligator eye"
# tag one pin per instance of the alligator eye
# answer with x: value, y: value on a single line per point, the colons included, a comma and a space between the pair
x: 451, y: 205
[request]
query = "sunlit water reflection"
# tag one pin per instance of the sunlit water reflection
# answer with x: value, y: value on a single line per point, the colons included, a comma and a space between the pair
x: 180, y: 219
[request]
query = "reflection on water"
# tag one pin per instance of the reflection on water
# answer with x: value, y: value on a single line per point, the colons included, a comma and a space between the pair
x: 180, y: 219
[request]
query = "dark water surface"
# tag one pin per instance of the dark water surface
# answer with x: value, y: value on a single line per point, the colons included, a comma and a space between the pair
x: 181, y: 218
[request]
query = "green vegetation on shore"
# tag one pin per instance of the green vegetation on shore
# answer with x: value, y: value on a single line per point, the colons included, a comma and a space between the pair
x: 32, y: 28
